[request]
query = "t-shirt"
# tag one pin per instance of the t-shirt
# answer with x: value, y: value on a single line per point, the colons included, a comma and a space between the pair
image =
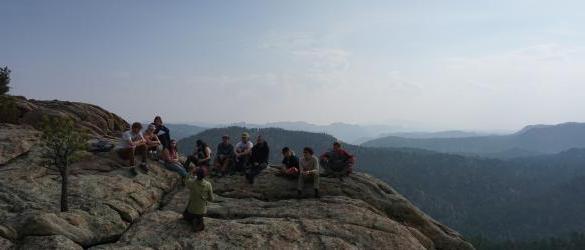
x: 290, y: 161
x: 241, y: 146
x: 129, y: 136
x: 225, y: 149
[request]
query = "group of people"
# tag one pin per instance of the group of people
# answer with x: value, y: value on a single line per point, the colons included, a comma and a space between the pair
x: 245, y: 158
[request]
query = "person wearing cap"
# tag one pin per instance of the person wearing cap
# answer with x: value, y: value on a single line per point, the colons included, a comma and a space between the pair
x: 200, y: 193
x: 243, y: 151
x: 258, y: 159
x: 132, y: 143
x: 337, y: 162
x: 225, y: 156
x: 153, y: 144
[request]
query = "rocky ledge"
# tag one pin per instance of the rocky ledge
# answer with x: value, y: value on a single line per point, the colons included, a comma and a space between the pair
x: 114, y: 207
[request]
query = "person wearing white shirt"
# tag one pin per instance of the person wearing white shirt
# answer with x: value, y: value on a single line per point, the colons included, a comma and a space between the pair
x: 133, y: 143
x: 243, y: 152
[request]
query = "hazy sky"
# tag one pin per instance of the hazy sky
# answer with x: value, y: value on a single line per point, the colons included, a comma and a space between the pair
x: 445, y: 64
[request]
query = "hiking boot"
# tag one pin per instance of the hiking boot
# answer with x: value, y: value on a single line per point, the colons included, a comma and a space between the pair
x: 144, y: 167
x: 299, y: 194
x: 317, y: 195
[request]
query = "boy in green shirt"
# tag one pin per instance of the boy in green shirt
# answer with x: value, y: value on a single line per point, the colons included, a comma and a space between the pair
x: 201, y: 192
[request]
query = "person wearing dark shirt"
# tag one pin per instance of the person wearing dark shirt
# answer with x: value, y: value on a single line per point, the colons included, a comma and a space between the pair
x: 225, y: 156
x: 290, y: 163
x: 163, y: 133
x: 258, y: 159
x: 201, y: 156
x: 337, y: 162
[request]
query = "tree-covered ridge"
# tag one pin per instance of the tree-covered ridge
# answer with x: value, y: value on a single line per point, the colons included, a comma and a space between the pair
x: 524, y: 198
x: 532, y: 140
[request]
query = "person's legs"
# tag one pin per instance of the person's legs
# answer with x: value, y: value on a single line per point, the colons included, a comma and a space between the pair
x: 316, y: 184
x: 127, y: 154
x: 241, y: 164
x: 300, y: 183
x: 188, y: 216
x: 176, y: 167
x: 255, y: 171
x: 142, y: 151
x: 226, y: 165
x: 190, y: 159
x: 198, y: 223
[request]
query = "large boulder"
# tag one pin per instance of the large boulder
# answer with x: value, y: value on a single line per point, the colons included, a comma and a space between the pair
x: 15, y: 141
x: 105, y: 197
x: 92, y: 118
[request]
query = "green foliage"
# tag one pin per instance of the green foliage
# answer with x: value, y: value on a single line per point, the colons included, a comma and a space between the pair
x: 61, y: 140
x: 9, y: 112
x: 63, y: 143
x: 4, y: 80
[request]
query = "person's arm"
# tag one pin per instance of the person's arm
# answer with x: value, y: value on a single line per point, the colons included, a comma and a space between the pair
x: 165, y: 129
x: 141, y: 141
x: 128, y: 140
x: 248, y: 150
x: 267, y: 156
x: 315, y: 166
x: 207, y: 155
x: 350, y: 158
x: 210, y: 194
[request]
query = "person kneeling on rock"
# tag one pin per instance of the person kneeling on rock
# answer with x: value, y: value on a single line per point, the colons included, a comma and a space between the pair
x: 200, y: 194
x: 309, y: 169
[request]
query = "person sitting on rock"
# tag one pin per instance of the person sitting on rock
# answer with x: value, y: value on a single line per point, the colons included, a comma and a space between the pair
x: 170, y: 157
x: 290, y: 163
x: 200, y: 193
x: 309, y: 169
x: 163, y: 133
x: 133, y: 143
x: 243, y: 152
x: 225, y: 156
x: 337, y: 162
x: 153, y: 144
x: 258, y: 159
x: 201, y: 157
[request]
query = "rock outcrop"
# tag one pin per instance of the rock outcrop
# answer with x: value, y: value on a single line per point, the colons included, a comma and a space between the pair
x: 89, y: 117
x: 114, y: 207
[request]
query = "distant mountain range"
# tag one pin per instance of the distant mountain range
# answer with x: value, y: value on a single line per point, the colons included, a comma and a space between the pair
x: 532, y: 140
x: 350, y: 133
x: 523, y: 198
x: 180, y: 131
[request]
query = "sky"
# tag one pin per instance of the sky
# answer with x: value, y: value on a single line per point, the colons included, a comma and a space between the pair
x: 473, y: 65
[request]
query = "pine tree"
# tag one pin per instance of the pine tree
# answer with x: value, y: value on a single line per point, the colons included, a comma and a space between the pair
x: 62, y: 145
x: 4, y: 80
